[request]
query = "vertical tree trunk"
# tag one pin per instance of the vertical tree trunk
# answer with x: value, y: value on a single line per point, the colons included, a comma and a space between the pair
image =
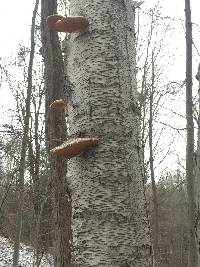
x: 151, y: 161
x: 24, y: 143
x: 190, y: 138
x: 109, y: 219
x: 56, y: 133
x: 197, y: 181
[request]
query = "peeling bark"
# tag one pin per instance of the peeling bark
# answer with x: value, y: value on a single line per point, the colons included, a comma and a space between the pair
x: 109, y: 220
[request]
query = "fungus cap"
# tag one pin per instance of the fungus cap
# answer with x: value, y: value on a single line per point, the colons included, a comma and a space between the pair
x: 74, y: 147
x: 67, y: 24
x: 58, y: 104
x: 51, y: 21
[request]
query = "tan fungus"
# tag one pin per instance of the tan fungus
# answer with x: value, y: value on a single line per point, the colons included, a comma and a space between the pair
x: 74, y: 147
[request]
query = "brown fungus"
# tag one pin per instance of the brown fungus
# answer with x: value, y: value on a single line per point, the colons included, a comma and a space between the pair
x: 58, y: 104
x: 51, y: 21
x: 67, y: 24
x: 74, y: 147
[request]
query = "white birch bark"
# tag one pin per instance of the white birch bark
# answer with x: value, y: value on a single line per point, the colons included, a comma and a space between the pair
x: 109, y: 220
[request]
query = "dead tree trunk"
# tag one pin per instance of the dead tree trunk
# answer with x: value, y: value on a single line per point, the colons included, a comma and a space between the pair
x: 24, y: 143
x: 56, y: 133
x: 190, y: 138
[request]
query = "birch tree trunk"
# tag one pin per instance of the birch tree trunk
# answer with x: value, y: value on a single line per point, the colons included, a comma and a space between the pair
x: 190, y: 138
x: 56, y: 133
x: 109, y: 219
x: 24, y: 143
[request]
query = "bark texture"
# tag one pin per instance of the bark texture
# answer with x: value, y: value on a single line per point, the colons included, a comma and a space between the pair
x: 197, y: 182
x: 190, y: 138
x: 56, y: 133
x: 109, y: 220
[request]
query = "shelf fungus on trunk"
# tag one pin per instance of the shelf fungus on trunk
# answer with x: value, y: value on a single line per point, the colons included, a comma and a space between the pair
x: 58, y: 104
x: 52, y: 20
x: 74, y: 147
x: 67, y: 24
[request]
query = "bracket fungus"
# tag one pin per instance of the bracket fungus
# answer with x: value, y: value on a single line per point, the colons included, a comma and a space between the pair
x: 67, y: 24
x: 58, y: 104
x: 51, y: 21
x: 73, y: 148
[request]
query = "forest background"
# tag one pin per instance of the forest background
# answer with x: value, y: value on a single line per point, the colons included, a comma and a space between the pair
x: 160, y: 31
x: 171, y: 60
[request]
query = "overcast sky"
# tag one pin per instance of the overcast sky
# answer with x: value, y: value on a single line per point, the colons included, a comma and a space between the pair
x: 15, y: 21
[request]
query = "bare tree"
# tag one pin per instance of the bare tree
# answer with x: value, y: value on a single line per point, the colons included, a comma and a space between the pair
x: 24, y: 143
x: 152, y: 98
x: 39, y: 185
x: 56, y: 133
x: 152, y: 174
x: 190, y: 137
